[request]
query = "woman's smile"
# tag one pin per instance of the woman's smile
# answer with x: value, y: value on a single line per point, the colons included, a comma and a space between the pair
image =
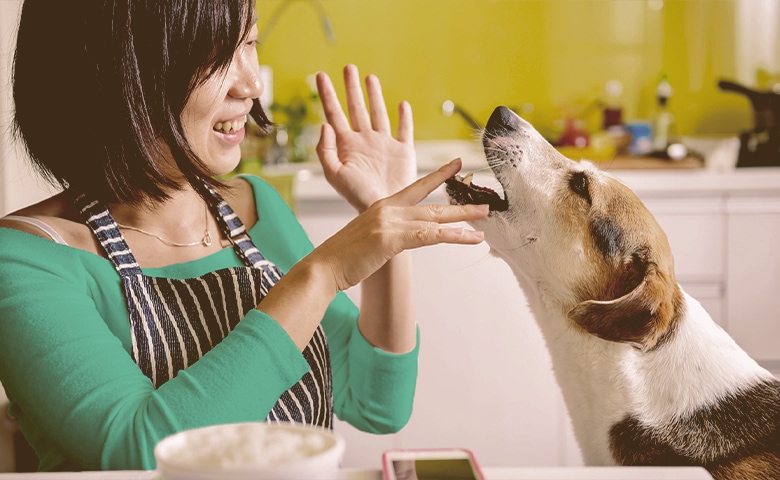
x: 231, y: 131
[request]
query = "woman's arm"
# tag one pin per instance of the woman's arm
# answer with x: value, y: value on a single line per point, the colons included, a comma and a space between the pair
x: 365, y: 163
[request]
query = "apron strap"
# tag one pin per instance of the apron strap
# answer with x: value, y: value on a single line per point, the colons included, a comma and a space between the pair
x: 107, y: 232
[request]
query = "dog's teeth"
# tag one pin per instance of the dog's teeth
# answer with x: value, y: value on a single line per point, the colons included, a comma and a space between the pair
x: 467, y: 179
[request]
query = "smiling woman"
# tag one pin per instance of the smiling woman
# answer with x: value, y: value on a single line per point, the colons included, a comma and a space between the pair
x: 151, y: 297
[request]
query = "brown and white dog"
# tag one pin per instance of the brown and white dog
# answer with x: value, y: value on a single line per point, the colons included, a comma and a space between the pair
x: 647, y: 376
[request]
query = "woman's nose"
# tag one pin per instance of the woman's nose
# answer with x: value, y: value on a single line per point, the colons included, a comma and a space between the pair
x: 246, y: 81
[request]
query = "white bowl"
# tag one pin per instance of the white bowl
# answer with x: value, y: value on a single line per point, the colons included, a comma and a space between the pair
x: 254, y: 450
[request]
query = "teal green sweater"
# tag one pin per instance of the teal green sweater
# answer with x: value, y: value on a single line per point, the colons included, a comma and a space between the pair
x: 84, y: 404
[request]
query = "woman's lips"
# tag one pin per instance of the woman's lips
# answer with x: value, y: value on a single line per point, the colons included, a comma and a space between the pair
x: 231, y: 131
x: 231, y: 125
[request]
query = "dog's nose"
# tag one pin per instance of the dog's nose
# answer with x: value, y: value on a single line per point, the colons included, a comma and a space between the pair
x: 502, y: 121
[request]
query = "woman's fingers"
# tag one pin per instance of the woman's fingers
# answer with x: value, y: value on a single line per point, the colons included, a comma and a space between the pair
x: 376, y: 102
x: 327, y: 150
x: 417, y: 191
x: 356, y: 105
x: 453, y: 235
x: 334, y: 114
x: 443, y: 214
x: 424, y: 225
x: 405, y: 123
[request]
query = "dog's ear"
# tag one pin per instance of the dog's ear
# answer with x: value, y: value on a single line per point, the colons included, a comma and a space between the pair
x: 645, y: 310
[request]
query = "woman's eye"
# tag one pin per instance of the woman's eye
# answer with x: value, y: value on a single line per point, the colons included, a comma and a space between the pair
x: 578, y: 182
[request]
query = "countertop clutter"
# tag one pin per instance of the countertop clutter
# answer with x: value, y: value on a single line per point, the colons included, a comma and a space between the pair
x: 712, y: 167
x: 310, y: 186
x: 553, y: 473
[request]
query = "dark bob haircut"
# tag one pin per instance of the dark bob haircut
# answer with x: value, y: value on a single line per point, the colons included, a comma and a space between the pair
x: 99, y: 86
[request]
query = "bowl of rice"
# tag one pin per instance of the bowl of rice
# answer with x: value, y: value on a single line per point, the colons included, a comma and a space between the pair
x: 253, y: 450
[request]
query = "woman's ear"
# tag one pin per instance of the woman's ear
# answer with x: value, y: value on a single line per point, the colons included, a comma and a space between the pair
x: 643, y: 316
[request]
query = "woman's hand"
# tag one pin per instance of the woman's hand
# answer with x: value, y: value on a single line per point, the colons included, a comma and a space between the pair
x: 363, y: 162
x: 394, y: 224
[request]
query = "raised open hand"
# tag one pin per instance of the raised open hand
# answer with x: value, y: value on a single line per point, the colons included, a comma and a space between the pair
x: 359, y: 156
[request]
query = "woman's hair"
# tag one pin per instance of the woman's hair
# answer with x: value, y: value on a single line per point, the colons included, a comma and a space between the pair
x: 99, y: 87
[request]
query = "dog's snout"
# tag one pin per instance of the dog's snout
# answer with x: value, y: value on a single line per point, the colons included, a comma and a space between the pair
x: 502, y: 121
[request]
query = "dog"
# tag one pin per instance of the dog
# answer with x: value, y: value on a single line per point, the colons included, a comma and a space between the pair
x: 647, y: 376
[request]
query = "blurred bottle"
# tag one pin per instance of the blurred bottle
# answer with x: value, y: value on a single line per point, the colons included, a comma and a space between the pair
x: 574, y: 134
x: 612, y: 120
x: 663, y: 121
x: 613, y: 108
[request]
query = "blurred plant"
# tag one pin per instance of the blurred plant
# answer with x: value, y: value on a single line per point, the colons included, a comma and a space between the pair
x: 298, y: 125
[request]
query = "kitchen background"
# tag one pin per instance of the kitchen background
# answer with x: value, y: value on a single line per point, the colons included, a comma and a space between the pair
x: 485, y: 381
x: 547, y: 59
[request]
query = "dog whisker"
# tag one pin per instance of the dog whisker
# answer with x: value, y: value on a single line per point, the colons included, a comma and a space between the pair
x: 528, y: 241
x: 468, y: 266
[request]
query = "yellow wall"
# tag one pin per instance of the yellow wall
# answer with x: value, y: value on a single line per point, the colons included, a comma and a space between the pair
x: 552, y: 55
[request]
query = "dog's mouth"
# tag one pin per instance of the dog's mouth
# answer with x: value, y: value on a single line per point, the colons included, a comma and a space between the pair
x: 463, y: 191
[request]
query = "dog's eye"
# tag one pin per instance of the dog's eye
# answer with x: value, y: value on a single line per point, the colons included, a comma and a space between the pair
x: 578, y: 182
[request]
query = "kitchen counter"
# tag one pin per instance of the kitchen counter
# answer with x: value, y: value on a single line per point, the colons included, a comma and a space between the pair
x: 530, y: 473
x: 310, y: 185
x: 646, y: 175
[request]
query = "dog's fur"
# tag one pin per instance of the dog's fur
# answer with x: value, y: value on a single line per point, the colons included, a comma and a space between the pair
x: 647, y: 376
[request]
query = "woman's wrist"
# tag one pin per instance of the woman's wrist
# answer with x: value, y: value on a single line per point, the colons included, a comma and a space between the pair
x: 387, y: 315
x: 298, y: 301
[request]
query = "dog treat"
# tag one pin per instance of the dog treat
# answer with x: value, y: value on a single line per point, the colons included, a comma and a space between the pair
x: 463, y: 191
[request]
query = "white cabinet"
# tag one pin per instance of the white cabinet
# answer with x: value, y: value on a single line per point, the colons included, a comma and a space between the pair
x: 695, y: 227
x: 753, y: 280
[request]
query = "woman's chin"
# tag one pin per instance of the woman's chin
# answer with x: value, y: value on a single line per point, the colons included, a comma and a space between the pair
x: 225, y: 163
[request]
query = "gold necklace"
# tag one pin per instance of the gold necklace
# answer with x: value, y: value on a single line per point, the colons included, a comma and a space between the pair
x: 205, y: 241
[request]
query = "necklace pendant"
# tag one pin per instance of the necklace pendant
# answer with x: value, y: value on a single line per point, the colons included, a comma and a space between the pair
x: 206, y: 239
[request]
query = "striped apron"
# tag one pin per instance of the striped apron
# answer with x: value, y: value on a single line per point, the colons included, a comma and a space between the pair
x: 175, y: 322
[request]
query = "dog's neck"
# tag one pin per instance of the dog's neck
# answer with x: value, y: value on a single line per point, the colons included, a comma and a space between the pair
x: 603, y: 382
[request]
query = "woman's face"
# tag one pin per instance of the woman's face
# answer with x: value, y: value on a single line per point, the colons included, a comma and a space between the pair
x: 217, y: 110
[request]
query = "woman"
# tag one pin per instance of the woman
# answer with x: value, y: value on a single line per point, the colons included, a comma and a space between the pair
x: 139, y: 302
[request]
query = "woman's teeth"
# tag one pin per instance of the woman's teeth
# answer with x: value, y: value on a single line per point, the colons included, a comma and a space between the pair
x: 228, y: 127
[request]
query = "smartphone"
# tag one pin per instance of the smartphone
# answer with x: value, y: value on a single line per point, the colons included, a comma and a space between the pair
x: 431, y: 464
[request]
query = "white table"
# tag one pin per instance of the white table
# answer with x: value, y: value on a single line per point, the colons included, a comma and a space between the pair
x: 519, y: 473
